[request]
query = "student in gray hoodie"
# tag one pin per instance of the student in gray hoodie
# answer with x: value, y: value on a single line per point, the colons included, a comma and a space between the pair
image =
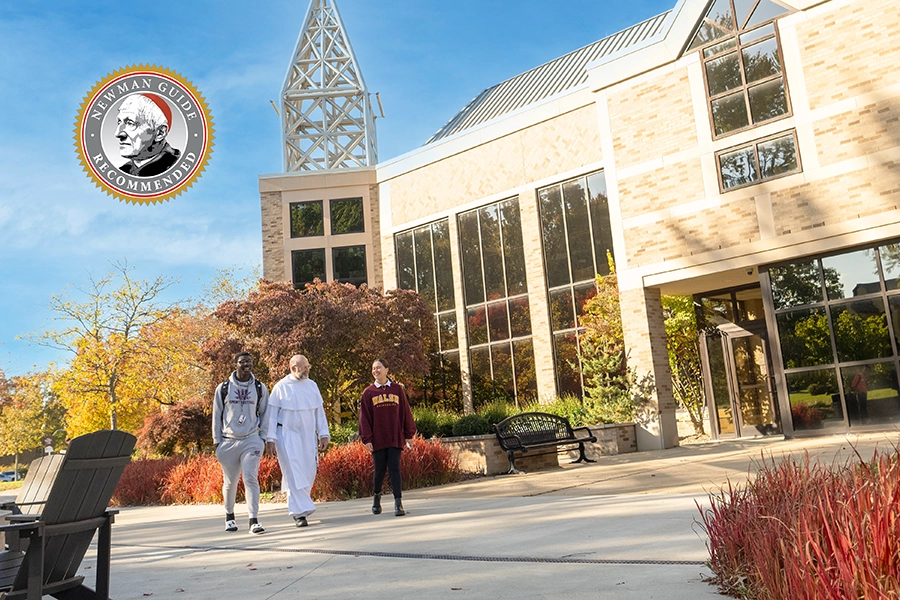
x: 239, y: 428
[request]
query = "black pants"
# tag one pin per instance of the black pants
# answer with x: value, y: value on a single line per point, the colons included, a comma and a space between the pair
x: 387, y: 459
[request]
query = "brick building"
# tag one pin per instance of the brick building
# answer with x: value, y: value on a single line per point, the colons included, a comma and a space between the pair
x: 743, y: 152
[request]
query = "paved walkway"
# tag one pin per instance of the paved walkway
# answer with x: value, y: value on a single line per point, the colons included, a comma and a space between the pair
x: 621, y: 528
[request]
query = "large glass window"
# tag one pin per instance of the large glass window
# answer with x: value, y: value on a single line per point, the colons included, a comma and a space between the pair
x: 838, y: 318
x: 306, y: 219
x: 347, y: 216
x: 498, y: 320
x: 307, y: 265
x: 742, y: 65
x: 349, y: 264
x: 577, y: 241
x: 757, y: 161
x: 424, y: 265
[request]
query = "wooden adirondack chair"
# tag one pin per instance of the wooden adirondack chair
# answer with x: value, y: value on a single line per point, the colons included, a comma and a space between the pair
x: 58, y: 538
x: 36, y: 486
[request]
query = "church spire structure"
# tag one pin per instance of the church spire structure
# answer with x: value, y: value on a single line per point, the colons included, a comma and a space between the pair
x: 326, y: 112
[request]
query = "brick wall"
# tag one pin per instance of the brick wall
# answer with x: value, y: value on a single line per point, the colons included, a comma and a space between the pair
x: 851, y: 50
x: 652, y: 119
x: 661, y: 188
x: 375, y: 224
x: 857, y: 132
x: 273, y: 236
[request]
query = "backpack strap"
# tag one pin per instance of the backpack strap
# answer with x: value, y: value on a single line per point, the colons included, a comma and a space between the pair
x: 223, y: 393
x: 258, y: 394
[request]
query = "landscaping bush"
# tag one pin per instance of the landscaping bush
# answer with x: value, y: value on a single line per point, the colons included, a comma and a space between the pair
x: 806, y: 531
x: 433, y: 423
x: 496, y: 411
x: 179, y: 480
x: 345, y: 471
x: 341, y: 434
x: 471, y: 425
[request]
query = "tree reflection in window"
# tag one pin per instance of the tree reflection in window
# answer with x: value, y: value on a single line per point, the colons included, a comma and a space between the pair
x: 306, y: 219
x: 758, y: 161
x: 347, y: 216
x: 742, y: 64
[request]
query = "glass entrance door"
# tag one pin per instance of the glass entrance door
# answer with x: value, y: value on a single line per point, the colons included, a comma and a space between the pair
x: 744, y: 403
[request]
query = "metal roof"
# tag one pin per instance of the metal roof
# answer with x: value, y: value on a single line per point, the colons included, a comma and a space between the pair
x: 551, y: 78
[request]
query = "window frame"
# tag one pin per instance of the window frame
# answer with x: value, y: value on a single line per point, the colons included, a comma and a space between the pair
x: 755, y: 145
x: 362, y: 206
x: 291, y: 206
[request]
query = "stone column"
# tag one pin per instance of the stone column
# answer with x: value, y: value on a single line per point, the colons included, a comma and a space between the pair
x: 273, y: 236
x: 644, y: 330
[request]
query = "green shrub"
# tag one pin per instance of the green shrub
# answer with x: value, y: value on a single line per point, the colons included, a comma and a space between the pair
x: 341, y: 434
x: 496, y: 411
x: 445, y: 423
x: 426, y: 419
x: 471, y: 425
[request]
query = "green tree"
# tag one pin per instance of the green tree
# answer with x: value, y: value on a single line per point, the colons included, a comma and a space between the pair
x: 683, y: 344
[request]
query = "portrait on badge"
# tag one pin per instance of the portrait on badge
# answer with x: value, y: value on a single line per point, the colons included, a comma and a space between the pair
x: 143, y: 123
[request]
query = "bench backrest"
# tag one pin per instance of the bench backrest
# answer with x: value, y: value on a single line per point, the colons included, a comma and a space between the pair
x: 533, y: 428
x: 37, y: 483
x: 84, y: 485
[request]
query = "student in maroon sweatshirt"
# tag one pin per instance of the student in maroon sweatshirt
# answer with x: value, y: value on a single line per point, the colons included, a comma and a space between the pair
x: 386, y: 425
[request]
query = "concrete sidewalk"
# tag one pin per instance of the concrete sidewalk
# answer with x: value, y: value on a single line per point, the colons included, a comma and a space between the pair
x: 622, y: 528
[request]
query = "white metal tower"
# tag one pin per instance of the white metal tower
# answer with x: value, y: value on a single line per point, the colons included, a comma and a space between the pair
x: 326, y: 114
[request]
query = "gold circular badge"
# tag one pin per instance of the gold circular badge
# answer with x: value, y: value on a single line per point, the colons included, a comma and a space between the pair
x: 144, y: 134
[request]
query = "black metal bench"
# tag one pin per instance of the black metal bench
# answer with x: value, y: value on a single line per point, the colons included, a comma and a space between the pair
x: 528, y: 431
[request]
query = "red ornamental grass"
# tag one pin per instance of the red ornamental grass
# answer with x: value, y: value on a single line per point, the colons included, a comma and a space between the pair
x: 809, y: 532
x: 142, y: 482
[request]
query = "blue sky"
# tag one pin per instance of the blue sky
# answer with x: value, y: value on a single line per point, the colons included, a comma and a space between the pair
x: 427, y: 58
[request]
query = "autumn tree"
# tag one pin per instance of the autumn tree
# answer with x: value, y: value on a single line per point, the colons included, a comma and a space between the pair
x: 180, y: 429
x: 29, y: 411
x: 340, y: 328
x: 102, y: 331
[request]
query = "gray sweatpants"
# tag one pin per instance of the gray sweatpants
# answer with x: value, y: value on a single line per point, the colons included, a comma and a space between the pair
x: 241, y: 458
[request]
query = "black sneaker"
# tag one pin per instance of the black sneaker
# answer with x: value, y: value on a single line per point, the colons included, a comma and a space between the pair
x: 300, y: 522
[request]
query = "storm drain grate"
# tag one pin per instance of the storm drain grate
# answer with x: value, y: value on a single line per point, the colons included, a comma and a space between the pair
x: 407, y: 555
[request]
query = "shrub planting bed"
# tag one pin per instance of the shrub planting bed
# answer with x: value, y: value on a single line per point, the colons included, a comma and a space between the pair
x: 345, y: 472
x: 806, y: 531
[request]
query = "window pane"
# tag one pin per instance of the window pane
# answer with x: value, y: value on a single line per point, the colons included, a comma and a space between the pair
x: 777, y: 156
x: 600, y: 225
x: 406, y: 269
x: 707, y: 33
x: 737, y: 167
x: 765, y: 11
x: 761, y: 60
x: 562, y: 312
x: 890, y: 264
x: 498, y: 321
x: 815, y: 399
x: 719, y: 48
x: 347, y: 216
x: 860, y: 330
x: 501, y: 360
x: 583, y: 293
x: 482, y: 386
x: 520, y: 316
x: 492, y: 256
x: 742, y: 10
x: 306, y: 219
x: 851, y: 274
x: 796, y: 284
x: 871, y: 393
x: 470, y: 248
x: 447, y: 329
x: 718, y: 309
x: 476, y: 319
x: 729, y: 113
x: 767, y: 100
x: 581, y: 253
x: 721, y: 14
x: 568, y: 380
x: 424, y: 266
x: 514, y: 255
x: 805, y: 338
x: 349, y: 264
x: 761, y: 32
x: 553, y: 230
x: 442, y: 264
x: 723, y: 74
x: 526, y: 383
x: 307, y: 265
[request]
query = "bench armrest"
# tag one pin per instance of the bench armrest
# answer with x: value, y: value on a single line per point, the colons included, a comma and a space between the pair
x: 22, y: 518
x: 591, y: 437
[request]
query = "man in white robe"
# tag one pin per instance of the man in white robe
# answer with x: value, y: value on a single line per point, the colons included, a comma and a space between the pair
x: 298, y: 430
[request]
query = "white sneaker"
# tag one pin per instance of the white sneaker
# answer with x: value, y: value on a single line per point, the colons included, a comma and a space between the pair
x: 230, y: 525
x: 257, y: 528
